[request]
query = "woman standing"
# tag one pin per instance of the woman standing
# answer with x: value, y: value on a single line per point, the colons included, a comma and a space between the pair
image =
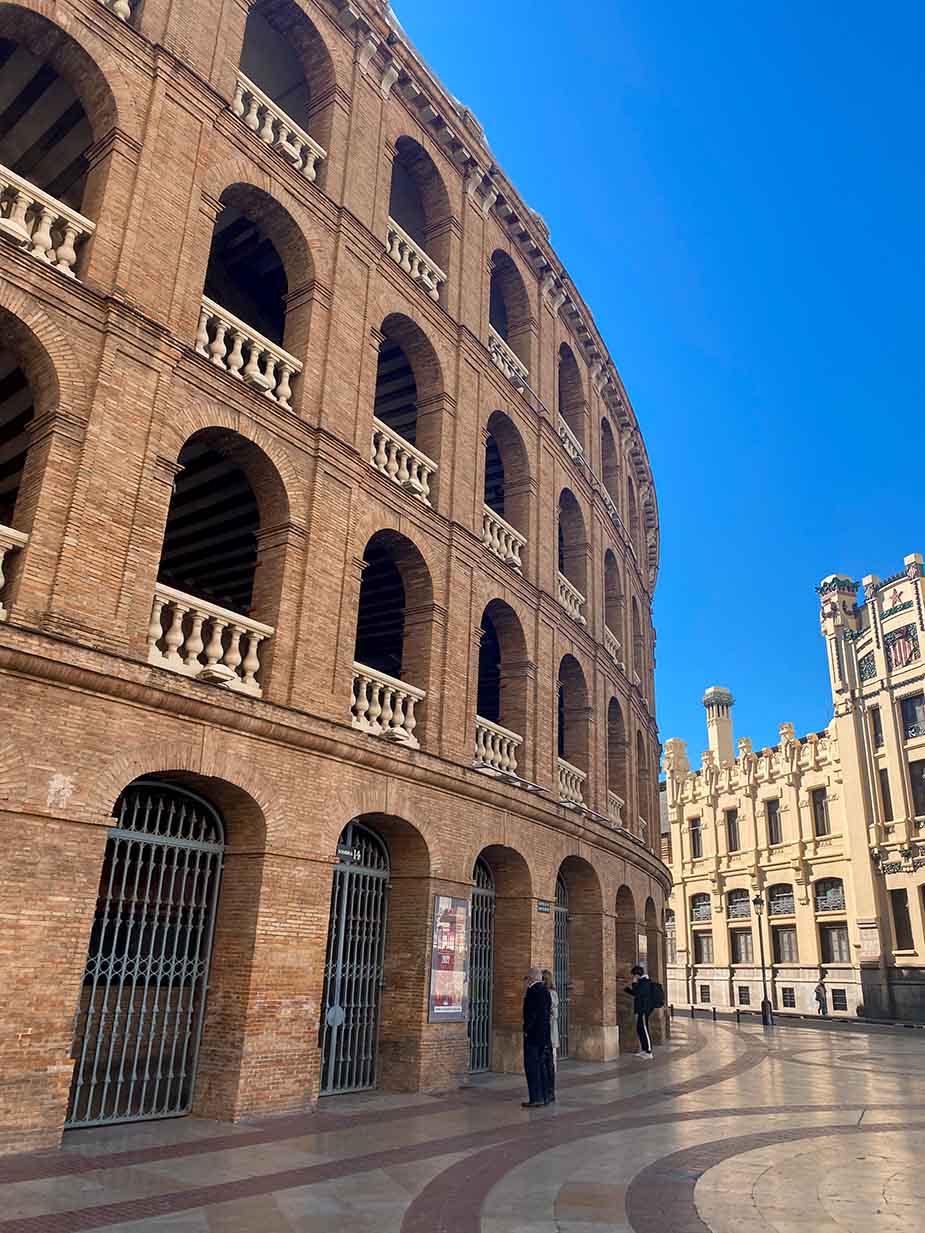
x: 552, y: 1055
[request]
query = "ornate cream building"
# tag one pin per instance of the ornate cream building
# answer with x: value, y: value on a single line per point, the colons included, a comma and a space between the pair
x: 824, y: 830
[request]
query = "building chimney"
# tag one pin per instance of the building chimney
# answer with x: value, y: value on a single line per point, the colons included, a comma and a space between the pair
x: 719, y: 703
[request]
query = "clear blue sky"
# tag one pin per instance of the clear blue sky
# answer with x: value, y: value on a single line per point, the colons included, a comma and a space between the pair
x: 737, y: 190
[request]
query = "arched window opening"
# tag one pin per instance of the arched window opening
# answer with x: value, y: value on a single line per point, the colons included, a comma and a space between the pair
x: 17, y: 410
x: 419, y: 214
x: 617, y: 757
x: 396, y: 403
x: 497, y: 309
x: 505, y: 512
x: 578, y: 924
x: 501, y: 704
x: 829, y: 894
x: 572, y: 405
x: 738, y: 905
x: 245, y: 274
x: 494, y: 477
x: 489, y: 696
x: 285, y: 85
x: 700, y: 907
x: 572, y: 730
x: 509, y: 320
x: 572, y: 557
x: 642, y: 788
x: 781, y: 900
x: 610, y: 466
x: 632, y: 513
x: 613, y: 608
x: 381, y: 619
x: 407, y: 411
x: 637, y: 644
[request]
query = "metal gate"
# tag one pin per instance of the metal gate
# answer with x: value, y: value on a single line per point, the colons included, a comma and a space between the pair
x: 481, y: 958
x: 353, y: 964
x: 561, y: 963
x: 140, y: 1012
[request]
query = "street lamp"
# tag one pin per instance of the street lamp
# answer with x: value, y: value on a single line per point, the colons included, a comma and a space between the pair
x: 767, y: 1016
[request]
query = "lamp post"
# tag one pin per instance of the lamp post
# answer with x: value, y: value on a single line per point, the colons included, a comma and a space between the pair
x: 767, y: 1015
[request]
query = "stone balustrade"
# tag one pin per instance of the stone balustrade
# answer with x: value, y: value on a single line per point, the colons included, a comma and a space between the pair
x: 234, y: 345
x: 400, y: 462
x: 274, y: 128
x: 571, y: 782
x: 569, y: 441
x: 643, y: 831
x: 496, y: 747
x: 504, y: 358
x: 414, y: 261
x: 571, y: 599
x: 615, y: 808
x: 40, y: 224
x: 611, y: 644
x: 121, y: 8
x: 10, y: 540
x: 198, y: 639
x: 384, y: 706
x: 500, y: 538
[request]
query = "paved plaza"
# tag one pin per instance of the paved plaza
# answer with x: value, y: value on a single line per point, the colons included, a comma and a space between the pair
x: 729, y: 1130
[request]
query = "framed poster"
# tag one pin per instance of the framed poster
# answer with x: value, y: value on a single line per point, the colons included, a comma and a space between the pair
x: 448, y: 961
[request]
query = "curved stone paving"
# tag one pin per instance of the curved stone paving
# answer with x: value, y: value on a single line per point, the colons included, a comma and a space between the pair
x: 805, y: 1130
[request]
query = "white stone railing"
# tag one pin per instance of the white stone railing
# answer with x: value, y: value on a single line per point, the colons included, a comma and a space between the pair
x: 500, y: 538
x: 121, y: 8
x: 400, y: 462
x: 505, y: 359
x: 572, y: 445
x: 274, y: 128
x: 202, y: 640
x: 615, y: 808
x: 611, y: 644
x: 643, y: 829
x: 414, y: 261
x: 637, y: 679
x: 495, y: 746
x: 45, y: 227
x: 232, y: 344
x: 384, y: 706
x: 10, y: 540
x: 571, y: 781
x: 571, y: 599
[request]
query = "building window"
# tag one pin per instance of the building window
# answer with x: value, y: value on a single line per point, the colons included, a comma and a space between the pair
x: 820, y: 802
x: 917, y: 780
x: 913, y: 712
x: 745, y: 997
x: 780, y: 899
x: 700, y: 907
x: 784, y: 944
x: 703, y: 948
x: 738, y: 904
x: 671, y: 937
x: 830, y: 895
x: 732, y: 830
x: 902, y: 924
x: 741, y: 946
x: 696, y: 839
x: 876, y: 725
x: 839, y: 999
x: 885, y: 797
x: 704, y: 993
x: 834, y: 943
x: 772, y: 815
x: 788, y: 998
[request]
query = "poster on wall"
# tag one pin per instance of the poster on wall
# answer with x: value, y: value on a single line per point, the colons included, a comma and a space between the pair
x: 448, y: 984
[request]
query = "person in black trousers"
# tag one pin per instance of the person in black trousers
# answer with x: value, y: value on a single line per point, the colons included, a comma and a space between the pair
x: 641, y: 993
x: 537, y: 1007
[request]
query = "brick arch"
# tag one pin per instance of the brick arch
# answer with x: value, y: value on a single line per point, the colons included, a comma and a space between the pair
x: 373, y: 521
x: 46, y: 354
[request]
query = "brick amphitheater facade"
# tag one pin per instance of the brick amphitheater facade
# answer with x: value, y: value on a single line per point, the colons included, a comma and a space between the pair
x: 165, y: 457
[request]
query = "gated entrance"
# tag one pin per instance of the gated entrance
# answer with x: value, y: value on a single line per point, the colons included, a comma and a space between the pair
x: 353, y: 964
x: 481, y: 959
x: 139, y: 1017
x: 561, y: 962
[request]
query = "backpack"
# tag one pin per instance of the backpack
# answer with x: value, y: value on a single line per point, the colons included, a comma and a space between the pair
x: 656, y: 995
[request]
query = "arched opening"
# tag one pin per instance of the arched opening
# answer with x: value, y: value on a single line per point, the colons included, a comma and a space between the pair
x: 392, y: 652
x: 572, y: 403
x: 55, y: 105
x: 642, y: 789
x: 572, y: 730
x: 501, y: 703
x: 582, y: 1008
x: 637, y: 643
x: 509, y: 318
x: 653, y: 943
x: 506, y: 511
x: 617, y: 750
x: 419, y: 217
x: 610, y: 465
x: 481, y: 966
x: 573, y: 551
x: 19, y: 482
x: 407, y: 408
x: 627, y: 953
x: 632, y: 515
x: 286, y: 59
x: 217, y: 596
x: 613, y: 607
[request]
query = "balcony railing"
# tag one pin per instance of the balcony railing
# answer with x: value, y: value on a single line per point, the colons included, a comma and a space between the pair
x: 414, y: 261
x: 384, y: 706
x: 505, y: 359
x: 40, y: 224
x: 10, y: 540
x: 571, y: 599
x: 700, y: 911
x: 643, y: 831
x: 738, y: 909
x: 121, y: 8
x: 913, y: 730
x: 236, y: 347
x: 275, y: 129
x: 201, y: 640
x: 571, y: 781
x: 783, y: 905
x: 611, y: 644
x: 571, y: 443
x: 495, y: 746
x: 500, y: 538
x: 615, y: 808
x: 400, y: 462
x: 831, y: 901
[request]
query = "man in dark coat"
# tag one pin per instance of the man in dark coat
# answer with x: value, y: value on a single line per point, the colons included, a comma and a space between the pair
x: 537, y: 1007
x: 641, y: 993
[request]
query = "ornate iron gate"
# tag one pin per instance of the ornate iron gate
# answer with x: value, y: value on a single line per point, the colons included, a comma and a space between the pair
x: 481, y: 958
x: 139, y: 1017
x: 561, y: 963
x: 353, y: 964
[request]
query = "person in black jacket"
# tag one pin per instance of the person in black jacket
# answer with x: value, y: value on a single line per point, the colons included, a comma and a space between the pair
x: 537, y: 1006
x: 641, y: 993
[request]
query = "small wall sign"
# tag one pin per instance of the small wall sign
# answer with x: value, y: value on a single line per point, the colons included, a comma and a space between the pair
x: 543, y: 905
